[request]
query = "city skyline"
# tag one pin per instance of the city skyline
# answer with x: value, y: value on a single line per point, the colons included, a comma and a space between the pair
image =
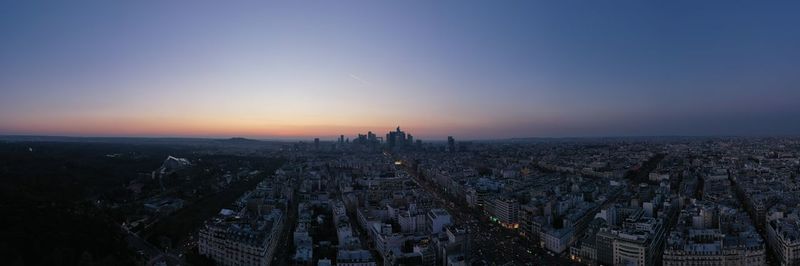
x: 470, y: 70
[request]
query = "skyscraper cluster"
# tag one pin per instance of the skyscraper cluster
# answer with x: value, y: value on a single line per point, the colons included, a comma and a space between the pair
x: 398, y: 139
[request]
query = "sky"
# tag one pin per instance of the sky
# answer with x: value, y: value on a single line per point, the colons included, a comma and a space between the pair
x: 471, y: 69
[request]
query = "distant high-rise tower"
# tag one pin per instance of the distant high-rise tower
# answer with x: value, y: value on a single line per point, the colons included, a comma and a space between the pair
x: 316, y: 143
x: 451, y: 144
x: 396, y: 138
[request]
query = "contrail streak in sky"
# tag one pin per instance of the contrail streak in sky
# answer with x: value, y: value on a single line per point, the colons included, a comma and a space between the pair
x: 360, y: 79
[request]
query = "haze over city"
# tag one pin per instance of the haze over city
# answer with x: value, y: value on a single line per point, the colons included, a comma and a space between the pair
x: 465, y: 68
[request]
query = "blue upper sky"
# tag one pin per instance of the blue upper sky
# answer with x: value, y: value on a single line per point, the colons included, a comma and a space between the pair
x: 474, y: 69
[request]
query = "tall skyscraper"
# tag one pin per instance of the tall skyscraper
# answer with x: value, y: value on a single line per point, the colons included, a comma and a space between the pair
x: 396, y: 138
x: 451, y: 144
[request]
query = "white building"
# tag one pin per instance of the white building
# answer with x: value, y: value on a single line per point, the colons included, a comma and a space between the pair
x: 505, y: 211
x: 783, y: 236
x: 556, y: 240
x: 438, y: 219
x: 696, y: 241
x: 412, y: 223
x: 232, y: 240
x: 639, y: 243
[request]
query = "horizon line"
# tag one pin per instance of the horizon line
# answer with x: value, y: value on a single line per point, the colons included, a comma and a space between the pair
x: 293, y: 139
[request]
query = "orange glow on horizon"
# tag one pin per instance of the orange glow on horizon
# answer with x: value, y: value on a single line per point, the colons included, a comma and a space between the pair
x: 215, y: 127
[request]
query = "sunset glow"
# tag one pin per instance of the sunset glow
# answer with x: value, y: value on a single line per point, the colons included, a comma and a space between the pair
x: 286, y: 70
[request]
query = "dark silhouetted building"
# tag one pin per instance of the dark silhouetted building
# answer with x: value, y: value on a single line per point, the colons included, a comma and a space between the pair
x: 451, y: 144
x: 396, y: 139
